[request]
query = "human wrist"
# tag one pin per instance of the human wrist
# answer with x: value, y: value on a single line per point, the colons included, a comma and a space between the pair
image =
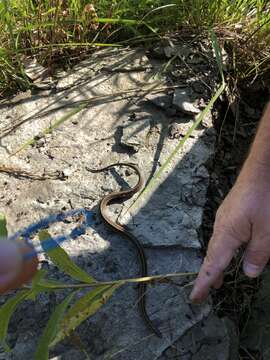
x: 255, y: 171
x: 257, y: 164
x: 260, y: 149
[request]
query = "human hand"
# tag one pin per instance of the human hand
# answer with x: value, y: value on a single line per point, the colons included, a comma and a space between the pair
x: 242, y: 219
x: 14, y: 270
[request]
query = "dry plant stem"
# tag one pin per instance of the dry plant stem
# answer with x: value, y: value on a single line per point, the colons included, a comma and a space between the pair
x: 156, y: 278
x: 27, y: 174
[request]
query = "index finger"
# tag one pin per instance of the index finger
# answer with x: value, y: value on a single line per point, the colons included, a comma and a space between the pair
x: 220, y: 251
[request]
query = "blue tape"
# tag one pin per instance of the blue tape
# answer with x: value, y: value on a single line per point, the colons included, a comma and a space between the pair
x: 86, y: 219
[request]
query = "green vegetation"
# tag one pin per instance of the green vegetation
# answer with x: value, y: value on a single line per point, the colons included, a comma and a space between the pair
x: 62, y: 31
x: 67, y: 315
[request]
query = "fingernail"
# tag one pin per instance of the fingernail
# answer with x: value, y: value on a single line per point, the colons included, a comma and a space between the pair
x: 252, y: 270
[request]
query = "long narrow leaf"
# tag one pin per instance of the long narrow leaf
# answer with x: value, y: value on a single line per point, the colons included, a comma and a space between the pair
x: 194, y: 126
x: 40, y: 274
x: 41, y: 285
x: 217, y: 53
x: 35, y: 289
x: 3, y: 226
x: 61, y: 259
x: 51, y: 329
x: 86, y: 306
x: 53, y: 126
x: 6, y: 312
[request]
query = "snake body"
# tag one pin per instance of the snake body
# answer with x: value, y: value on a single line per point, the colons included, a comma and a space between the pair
x: 106, y: 200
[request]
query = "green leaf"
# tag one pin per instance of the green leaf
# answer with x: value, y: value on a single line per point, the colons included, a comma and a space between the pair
x: 49, y: 285
x: 6, y: 312
x: 218, y: 55
x: 86, y: 306
x: 41, y: 285
x: 61, y: 259
x: 40, y: 274
x: 35, y: 290
x: 39, y: 281
x: 51, y: 329
x: 3, y: 226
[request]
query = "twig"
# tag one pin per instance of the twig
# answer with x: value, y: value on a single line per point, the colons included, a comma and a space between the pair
x: 157, y: 278
x: 27, y: 174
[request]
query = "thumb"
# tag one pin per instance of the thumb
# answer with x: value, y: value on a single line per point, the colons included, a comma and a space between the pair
x: 256, y: 255
x: 14, y: 269
x: 10, y: 261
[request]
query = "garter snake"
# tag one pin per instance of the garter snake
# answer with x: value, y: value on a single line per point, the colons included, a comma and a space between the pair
x: 106, y: 200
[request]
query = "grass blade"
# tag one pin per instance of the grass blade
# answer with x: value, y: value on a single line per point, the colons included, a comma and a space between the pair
x: 199, y: 119
x: 52, y: 127
x: 217, y: 53
x: 175, y: 151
